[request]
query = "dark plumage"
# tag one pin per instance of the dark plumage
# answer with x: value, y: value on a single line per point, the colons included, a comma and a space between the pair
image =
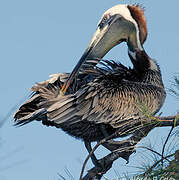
x: 105, y: 95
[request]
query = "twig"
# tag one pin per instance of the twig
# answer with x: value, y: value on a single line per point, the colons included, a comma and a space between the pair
x: 156, y: 163
x: 95, y: 147
x: 163, y: 149
x: 168, y: 120
x: 144, y: 147
x: 89, y: 155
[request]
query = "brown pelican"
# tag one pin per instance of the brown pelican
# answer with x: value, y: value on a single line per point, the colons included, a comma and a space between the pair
x: 97, y: 100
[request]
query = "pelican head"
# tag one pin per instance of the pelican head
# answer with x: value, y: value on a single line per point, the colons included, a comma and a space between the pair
x: 121, y: 23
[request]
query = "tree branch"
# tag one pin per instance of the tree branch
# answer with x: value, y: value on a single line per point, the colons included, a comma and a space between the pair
x: 123, y: 148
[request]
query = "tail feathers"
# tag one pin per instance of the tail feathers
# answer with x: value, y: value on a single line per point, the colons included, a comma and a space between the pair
x: 28, y: 107
x: 44, y: 95
x: 39, y: 114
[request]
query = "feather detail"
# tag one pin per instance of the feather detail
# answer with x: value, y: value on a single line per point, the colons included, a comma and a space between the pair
x: 105, y: 94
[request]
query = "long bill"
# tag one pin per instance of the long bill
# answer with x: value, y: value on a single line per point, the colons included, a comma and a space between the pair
x: 105, y: 38
x: 75, y: 71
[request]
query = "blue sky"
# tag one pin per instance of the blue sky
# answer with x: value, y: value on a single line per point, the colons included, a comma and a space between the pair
x: 39, y: 38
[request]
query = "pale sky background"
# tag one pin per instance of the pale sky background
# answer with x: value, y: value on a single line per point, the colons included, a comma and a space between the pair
x: 39, y: 38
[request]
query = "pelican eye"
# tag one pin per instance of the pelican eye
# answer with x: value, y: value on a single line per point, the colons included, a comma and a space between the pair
x: 104, y: 21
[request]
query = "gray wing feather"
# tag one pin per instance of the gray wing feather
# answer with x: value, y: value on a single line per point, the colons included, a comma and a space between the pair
x: 100, y: 105
x: 104, y: 95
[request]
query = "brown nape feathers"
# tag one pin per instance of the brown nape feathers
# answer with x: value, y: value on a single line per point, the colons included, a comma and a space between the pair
x: 137, y: 12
